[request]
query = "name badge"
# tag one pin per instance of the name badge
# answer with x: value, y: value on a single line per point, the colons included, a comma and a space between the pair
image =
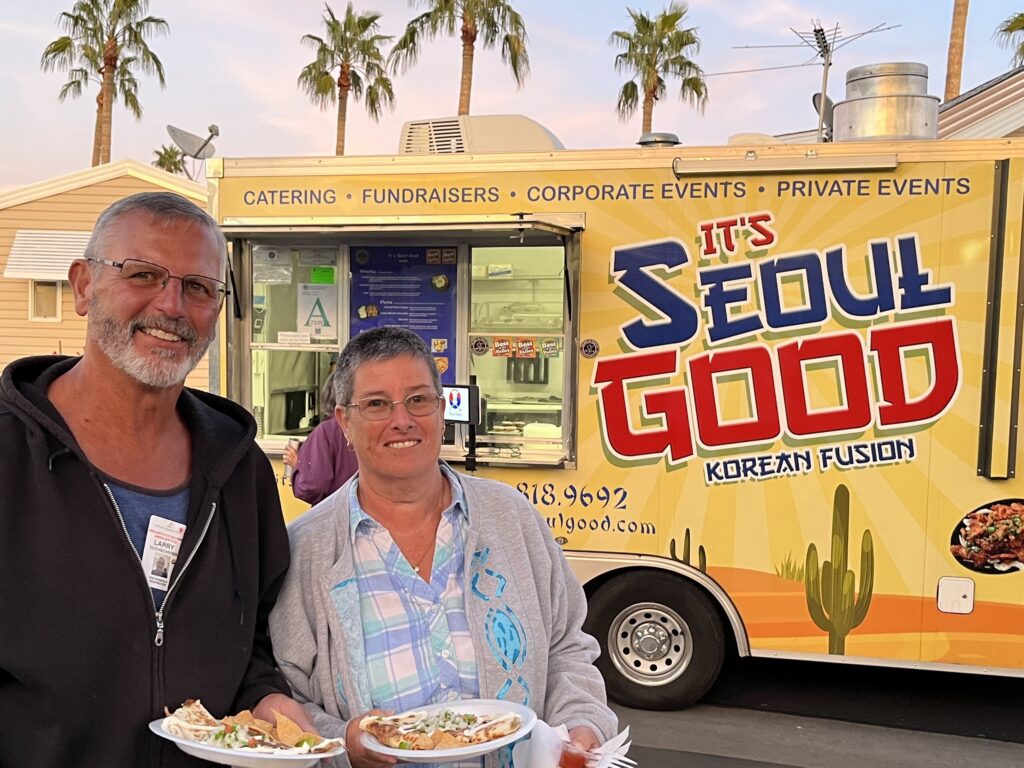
x: 163, y: 540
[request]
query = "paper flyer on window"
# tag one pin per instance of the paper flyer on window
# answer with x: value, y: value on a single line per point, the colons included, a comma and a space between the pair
x: 317, y: 311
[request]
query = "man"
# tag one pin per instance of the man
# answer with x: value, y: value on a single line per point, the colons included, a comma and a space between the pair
x: 108, y: 464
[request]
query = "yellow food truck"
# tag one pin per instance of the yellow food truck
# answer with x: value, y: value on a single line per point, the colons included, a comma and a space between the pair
x: 766, y: 398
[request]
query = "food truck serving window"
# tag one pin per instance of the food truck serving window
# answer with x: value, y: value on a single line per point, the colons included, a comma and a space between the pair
x: 294, y: 331
x: 517, y: 336
x: 487, y: 304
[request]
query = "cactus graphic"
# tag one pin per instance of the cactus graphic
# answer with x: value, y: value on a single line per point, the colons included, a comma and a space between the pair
x: 702, y: 557
x: 830, y: 596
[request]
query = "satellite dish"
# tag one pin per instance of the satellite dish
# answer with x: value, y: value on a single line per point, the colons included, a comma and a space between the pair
x: 824, y: 107
x: 192, y: 145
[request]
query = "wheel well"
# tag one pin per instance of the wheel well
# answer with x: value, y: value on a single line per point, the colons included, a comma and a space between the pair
x: 732, y: 648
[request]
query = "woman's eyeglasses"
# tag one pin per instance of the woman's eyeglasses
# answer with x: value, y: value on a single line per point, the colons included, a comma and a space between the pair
x: 205, y: 292
x: 379, y: 408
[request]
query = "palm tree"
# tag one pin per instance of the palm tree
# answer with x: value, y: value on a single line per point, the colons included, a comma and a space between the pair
x: 105, y: 42
x: 351, y: 48
x: 170, y: 159
x: 654, y: 49
x: 1010, y: 34
x: 955, y: 55
x: 486, y: 20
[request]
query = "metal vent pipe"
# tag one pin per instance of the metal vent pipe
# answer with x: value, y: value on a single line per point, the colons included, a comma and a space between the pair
x: 887, y: 102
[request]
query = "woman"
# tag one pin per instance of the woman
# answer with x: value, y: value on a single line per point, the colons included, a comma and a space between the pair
x: 416, y: 584
x: 325, y: 460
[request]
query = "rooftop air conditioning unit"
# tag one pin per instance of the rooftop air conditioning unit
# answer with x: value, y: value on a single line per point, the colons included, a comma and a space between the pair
x: 476, y: 134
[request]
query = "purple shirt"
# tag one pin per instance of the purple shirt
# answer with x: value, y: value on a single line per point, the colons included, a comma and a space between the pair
x: 326, y: 461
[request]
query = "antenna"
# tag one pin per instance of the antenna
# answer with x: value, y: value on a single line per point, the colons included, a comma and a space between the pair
x: 824, y: 43
x: 823, y: 46
x: 193, y: 146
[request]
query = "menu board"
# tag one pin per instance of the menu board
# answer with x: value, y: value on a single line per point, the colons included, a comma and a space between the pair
x: 413, y: 287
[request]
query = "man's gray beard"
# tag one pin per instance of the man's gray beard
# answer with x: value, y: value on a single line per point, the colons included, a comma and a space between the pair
x: 160, y: 369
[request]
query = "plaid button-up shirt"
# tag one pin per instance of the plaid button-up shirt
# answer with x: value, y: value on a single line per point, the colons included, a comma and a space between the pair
x: 418, y: 646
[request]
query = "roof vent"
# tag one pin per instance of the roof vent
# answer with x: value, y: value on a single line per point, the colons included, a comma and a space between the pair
x: 887, y: 102
x: 478, y: 134
x: 658, y: 139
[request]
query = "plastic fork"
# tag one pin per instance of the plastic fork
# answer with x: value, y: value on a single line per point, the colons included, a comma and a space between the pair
x: 606, y: 760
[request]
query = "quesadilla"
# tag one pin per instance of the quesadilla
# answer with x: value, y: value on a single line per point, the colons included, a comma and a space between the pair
x: 444, y: 729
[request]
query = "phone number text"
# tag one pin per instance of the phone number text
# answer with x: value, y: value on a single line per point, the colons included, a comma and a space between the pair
x: 546, y: 495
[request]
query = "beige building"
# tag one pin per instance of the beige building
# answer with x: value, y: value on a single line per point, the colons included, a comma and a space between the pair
x: 43, y: 227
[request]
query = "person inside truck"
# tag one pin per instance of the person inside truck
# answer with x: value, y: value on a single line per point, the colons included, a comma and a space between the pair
x: 323, y: 463
x: 416, y: 584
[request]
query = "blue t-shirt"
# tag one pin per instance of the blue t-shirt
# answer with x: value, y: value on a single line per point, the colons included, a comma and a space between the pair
x: 138, y: 505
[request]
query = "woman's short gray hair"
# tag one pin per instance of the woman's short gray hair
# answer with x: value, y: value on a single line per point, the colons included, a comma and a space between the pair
x: 383, y: 343
x: 163, y: 207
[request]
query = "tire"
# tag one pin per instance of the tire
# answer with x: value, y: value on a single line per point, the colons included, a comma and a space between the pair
x: 662, y: 640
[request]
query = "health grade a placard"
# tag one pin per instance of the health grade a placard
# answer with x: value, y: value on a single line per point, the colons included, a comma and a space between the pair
x: 317, y: 311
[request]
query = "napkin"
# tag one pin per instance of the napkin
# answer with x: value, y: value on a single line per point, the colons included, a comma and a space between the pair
x: 544, y: 747
x: 617, y: 745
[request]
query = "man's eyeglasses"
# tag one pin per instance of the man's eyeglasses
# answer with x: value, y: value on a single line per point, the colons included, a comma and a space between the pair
x: 379, y: 408
x: 201, y: 291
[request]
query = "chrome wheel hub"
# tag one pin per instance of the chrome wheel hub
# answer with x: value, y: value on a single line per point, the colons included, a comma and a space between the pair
x: 650, y: 644
x: 650, y: 641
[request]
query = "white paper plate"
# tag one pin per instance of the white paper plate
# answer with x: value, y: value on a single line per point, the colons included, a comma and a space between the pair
x: 476, y: 707
x: 241, y: 758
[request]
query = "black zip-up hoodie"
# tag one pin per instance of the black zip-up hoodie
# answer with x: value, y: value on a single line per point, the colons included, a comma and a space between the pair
x: 84, y: 666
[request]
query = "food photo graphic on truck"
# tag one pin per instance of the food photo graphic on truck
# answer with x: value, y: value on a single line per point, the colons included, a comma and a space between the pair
x: 765, y: 398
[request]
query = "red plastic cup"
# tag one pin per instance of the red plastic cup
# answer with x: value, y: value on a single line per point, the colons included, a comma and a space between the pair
x: 572, y: 757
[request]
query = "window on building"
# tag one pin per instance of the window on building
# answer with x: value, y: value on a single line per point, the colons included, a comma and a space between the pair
x: 44, y: 300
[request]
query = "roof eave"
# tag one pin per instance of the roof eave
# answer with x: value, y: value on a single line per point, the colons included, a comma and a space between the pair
x: 101, y: 173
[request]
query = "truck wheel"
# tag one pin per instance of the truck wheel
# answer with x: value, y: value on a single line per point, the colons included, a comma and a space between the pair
x: 662, y: 641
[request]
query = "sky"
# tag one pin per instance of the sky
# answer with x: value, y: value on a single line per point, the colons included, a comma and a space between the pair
x: 234, y: 63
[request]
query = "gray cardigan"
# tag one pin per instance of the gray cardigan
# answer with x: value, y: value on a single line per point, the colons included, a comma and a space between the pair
x: 524, y: 606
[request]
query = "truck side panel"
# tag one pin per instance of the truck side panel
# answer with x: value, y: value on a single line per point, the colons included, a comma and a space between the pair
x: 799, y: 382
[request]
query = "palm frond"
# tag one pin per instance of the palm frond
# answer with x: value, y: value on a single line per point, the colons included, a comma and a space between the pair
x: 357, y: 83
x: 1010, y: 34
x: 629, y: 98
x: 130, y: 99
x: 314, y: 42
x: 75, y: 86
x: 318, y: 84
x: 379, y: 94
x: 59, y: 54
x: 513, y: 53
x: 407, y: 48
